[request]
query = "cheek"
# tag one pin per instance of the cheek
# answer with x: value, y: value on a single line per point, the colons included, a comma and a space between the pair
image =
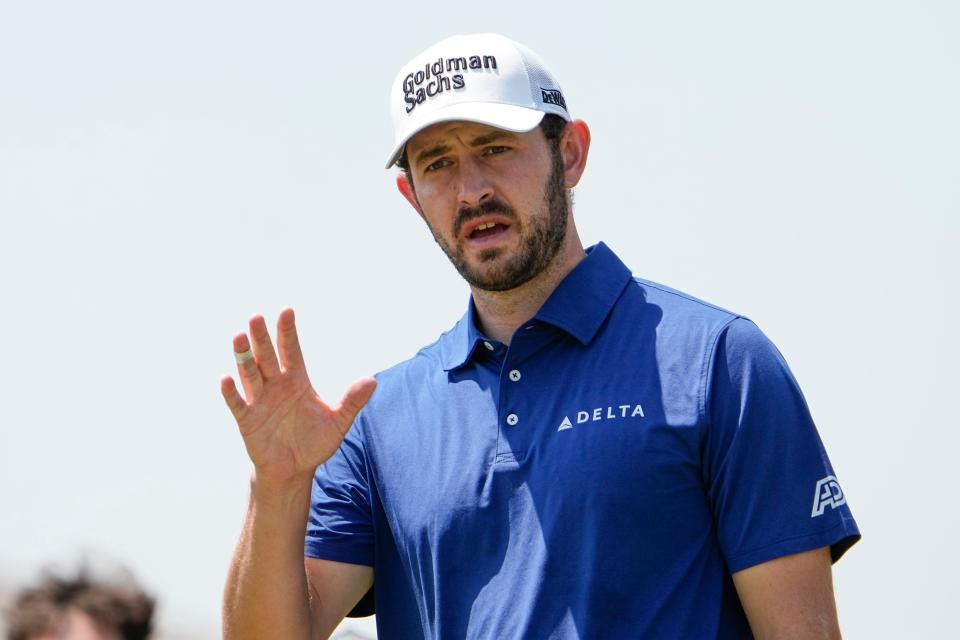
x: 528, y: 181
x: 436, y: 218
x: 434, y: 194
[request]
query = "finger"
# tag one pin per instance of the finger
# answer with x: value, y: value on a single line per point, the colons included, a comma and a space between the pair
x: 353, y: 400
x: 263, y: 348
x: 288, y: 341
x: 234, y: 400
x: 250, y: 376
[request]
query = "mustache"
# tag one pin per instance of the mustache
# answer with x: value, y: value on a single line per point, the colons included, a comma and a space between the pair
x: 493, y: 205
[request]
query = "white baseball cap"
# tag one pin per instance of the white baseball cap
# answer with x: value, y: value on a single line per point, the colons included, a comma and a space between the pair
x: 483, y: 78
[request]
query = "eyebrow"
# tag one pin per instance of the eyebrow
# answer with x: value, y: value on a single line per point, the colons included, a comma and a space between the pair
x: 493, y: 136
x: 432, y: 152
x: 440, y: 149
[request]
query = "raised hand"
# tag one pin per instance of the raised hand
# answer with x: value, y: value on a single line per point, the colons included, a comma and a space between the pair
x: 287, y: 429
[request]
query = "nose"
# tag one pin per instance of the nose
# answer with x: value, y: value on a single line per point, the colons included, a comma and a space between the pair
x: 474, y: 185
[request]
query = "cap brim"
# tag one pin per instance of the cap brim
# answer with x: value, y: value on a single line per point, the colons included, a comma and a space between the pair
x: 502, y: 116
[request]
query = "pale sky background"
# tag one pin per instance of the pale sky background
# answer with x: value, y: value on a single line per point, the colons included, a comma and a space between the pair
x: 168, y: 169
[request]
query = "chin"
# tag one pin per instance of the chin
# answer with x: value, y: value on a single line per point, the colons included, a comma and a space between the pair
x: 491, y: 255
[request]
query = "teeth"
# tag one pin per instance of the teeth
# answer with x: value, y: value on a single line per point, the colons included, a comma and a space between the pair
x: 488, y: 225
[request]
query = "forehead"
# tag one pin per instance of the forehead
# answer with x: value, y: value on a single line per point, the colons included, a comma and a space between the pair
x: 445, y: 134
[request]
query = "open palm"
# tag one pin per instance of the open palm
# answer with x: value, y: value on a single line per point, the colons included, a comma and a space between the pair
x: 287, y: 428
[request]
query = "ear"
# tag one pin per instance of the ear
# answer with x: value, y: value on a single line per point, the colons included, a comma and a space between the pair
x: 574, y: 147
x: 406, y: 188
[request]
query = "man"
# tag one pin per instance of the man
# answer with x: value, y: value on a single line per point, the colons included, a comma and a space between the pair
x: 584, y: 455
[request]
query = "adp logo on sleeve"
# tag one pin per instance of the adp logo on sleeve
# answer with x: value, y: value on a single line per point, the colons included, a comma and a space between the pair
x: 827, y: 494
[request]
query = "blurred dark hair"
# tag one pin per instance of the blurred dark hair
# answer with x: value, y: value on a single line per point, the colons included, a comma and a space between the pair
x: 115, y: 606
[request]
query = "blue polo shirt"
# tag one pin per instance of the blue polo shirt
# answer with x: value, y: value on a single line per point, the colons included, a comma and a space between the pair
x: 600, y: 477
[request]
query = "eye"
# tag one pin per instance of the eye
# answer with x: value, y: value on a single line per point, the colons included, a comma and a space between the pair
x: 495, y: 150
x: 437, y: 164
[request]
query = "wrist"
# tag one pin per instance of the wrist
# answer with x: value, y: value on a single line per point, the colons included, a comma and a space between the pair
x: 281, y: 493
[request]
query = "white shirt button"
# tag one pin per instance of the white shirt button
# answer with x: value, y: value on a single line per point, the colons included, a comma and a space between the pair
x: 512, y: 419
x: 488, y: 345
x: 515, y: 375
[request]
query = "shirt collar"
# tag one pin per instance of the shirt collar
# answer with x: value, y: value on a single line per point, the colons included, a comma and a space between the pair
x: 579, y: 305
x: 458, y: 344
x: 583, y: 300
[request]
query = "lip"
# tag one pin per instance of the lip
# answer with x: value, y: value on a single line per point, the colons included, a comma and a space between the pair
x: 471, y: 226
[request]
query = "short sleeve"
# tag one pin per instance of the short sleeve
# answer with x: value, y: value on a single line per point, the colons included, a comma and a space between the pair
x: 771, y: 486
x: 340, y: 525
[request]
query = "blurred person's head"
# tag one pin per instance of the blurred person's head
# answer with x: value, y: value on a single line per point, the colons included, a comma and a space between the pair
x: 81, y: 608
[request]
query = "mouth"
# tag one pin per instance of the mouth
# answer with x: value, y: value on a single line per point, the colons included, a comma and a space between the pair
x: 485, y: 232
x: 486, y: 229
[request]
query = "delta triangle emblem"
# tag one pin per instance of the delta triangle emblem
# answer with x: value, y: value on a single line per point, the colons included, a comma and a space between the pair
x: 566, y: 424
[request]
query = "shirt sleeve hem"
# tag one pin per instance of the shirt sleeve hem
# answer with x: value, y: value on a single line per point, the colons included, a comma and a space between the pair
x: 338, y: 554
x: 839, y: 538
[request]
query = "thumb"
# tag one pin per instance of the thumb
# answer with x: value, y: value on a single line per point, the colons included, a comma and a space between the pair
x: 354, y: 399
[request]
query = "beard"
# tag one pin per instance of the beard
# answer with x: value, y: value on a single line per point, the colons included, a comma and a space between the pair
x: 541, y: 238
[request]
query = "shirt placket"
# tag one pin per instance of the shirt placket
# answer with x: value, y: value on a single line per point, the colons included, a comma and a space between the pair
x: 513, y: 418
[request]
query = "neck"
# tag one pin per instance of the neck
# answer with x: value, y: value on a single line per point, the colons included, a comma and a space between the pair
x: 500, y: 313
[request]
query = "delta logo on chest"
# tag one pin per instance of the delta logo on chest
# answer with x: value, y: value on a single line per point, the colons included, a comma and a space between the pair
x: 619, y: 412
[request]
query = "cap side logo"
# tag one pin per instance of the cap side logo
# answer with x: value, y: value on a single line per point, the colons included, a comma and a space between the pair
x: 553, y: 96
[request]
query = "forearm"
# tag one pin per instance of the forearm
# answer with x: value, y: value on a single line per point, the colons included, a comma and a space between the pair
x: 266, y: 593
x: 790, y: 597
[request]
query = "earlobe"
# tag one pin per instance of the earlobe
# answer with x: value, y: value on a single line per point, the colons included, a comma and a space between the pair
x: 406, y: 188
x: 574, y: 147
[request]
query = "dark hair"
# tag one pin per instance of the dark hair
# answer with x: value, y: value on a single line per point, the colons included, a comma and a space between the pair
x: 552, y: 126
x: 116, y: 606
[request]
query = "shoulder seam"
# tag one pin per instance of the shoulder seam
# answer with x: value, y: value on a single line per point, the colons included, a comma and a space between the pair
x: 707, y: 366
x: 681, y: 294
x: 422, y: 351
